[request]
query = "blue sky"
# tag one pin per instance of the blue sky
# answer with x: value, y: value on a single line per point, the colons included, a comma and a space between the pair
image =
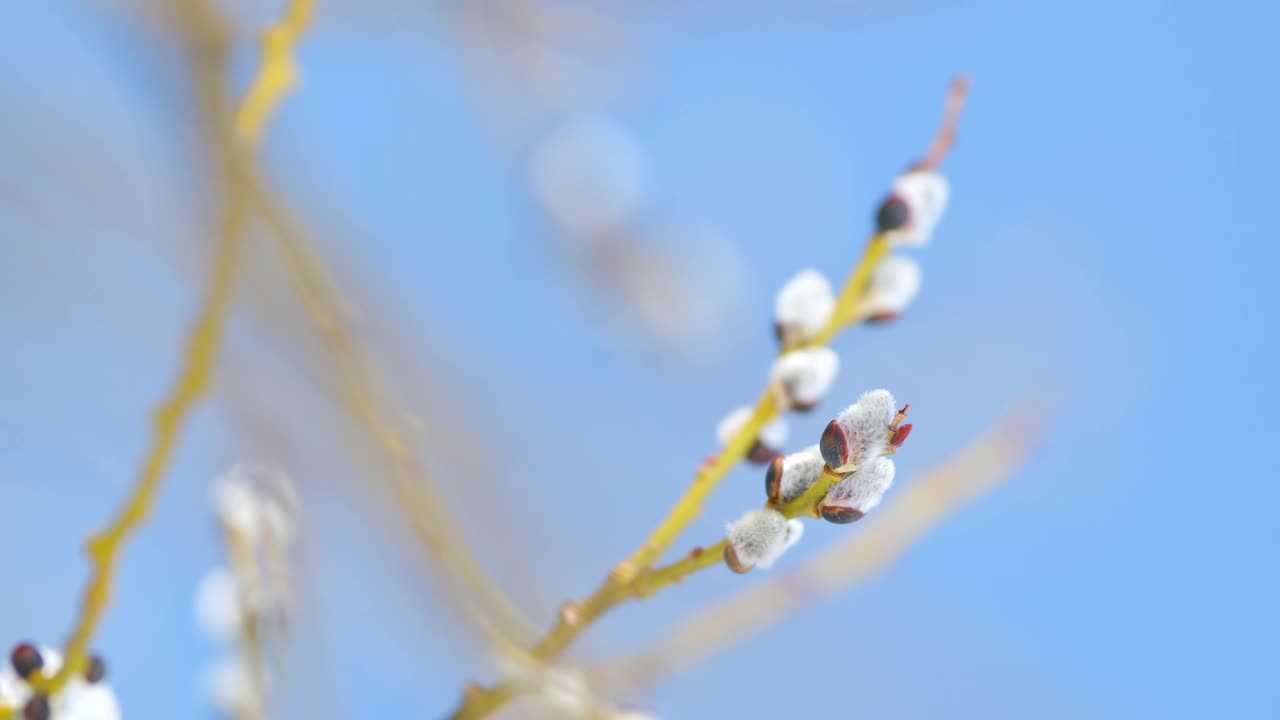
x: 1105, y: 243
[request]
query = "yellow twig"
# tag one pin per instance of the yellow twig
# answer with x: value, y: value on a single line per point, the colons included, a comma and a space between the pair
x: 193, y: 380
x: 277, y: 71
x: 651, y: 581
x: 927, y: 501
x: 617, y: 587
x: 204, y: 340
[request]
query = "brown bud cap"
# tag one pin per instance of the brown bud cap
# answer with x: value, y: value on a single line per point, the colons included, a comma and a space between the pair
x: 773, y: 480
x: 900, y: 436
x: 761, y: 454
x: 26, y: 660
x: 841, y: 515
x: 96, y: 670
x: 834, y: 446
x: 731, y: 559
x: 803, y: 406
x: 892, y: 214
x: 37, y: 708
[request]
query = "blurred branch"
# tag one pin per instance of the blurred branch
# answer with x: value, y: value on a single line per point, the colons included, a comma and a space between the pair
x: 935, y: 495
x: 277, y: 71
x: 359, y: 382
x: 204, y: 340
x: 194, y: 376
x: 367, y: 397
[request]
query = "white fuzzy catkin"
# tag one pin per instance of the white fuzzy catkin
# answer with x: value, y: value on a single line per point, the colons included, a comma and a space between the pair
x: 760, y: 537
x: 219, y: 605
x: 257, y: 502
x: 803, y: 306
x: 590, y: 176
x: 236, y: 504
x: 805, y: 376
x: 925, y: 193
x: 229, y: 687
x: 83, y: 700
x: 773, y: 434
x: 864, y: 489
x: 795, y: 531
x: 800, y: 470
x: 78, y: 700
x: 864, y: 426
x: 894, y: 285
x: 561, y: 690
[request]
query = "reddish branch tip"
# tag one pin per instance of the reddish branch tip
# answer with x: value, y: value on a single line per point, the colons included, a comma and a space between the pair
x: 946, y: 136
x: 899, y: 417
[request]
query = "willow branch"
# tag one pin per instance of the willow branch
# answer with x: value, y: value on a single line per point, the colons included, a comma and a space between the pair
x: 203, y: 343
x: 617, y: 587
x: 934, y: 496
x: 362, y: 389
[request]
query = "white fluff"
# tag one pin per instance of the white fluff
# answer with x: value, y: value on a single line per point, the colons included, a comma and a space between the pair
x: 805, y: 376
x: 83, y: 700
x: 218, y: 606
x: 760, y: 537
x: 236, y: 504
x: 894, y: 285
x: 926, y: 193
x: 257, y: 502
x: 865, y: 425
x: 229, y: 687
x: 800, y: 470
x: 773, y: 434
x: 795, y: 531
x: 78, y: 700
x: 863, y: 489
x: 803, y: 305
x: 564, y: 691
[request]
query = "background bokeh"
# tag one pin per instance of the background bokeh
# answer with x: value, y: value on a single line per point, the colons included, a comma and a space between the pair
x: 1108, y: 246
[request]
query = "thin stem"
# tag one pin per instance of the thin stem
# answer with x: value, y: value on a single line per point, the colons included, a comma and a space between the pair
x: 946, y: 136
x: 929, y: 499
x: 193, y: 380
x: 203, y: 342
x: 699, y: 559
x: 277, y: 71
x: 618, y: 586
